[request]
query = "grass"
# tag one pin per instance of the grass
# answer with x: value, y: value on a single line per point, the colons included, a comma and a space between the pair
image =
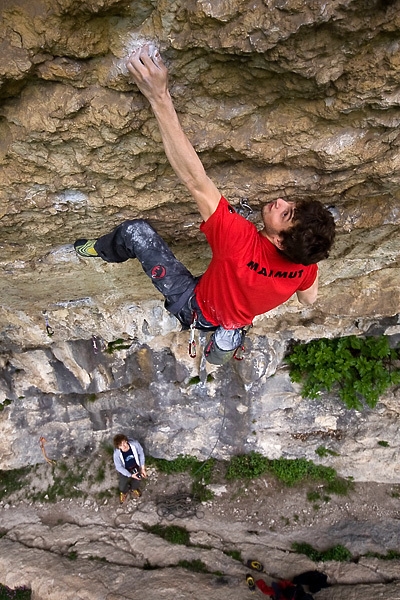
x: 65, y: 482
x: 323, y: 452
x: 337, y: 553
x: 288, y: 471
x: 390, y: 555
x: 235, y: 554
x: 19, y: 593
x: 12, y: 481
x: 201, y: 472
x: 171, y: 533
x: 196, y: 565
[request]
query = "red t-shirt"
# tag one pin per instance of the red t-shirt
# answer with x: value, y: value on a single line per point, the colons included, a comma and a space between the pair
x: 247, y: 275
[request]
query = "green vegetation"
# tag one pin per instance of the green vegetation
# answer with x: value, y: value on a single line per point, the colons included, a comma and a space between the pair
x: 118, y: 344
x: 289, y: 471
x: 235, y: 554
x: 390, y: 555
x: 383, y: 444
x: 338, y: 553
x: 201, y: 472
x: 171, y: 533
x: 196, y: 379
x: 19, y: 593
x: 195, y: 565
x: 361, y: 369
x: 247, y: 466
x: 324, y: 452
x: 101, y: 473
x: 65, y: 482
x: 12, y: 481
x: 5, y: 403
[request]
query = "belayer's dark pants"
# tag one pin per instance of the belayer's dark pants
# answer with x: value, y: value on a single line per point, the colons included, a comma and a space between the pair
x: 127, y: 484
x: 137, y: 239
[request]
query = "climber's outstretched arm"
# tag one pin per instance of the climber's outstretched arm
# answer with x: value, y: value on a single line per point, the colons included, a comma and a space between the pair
x: 310, y: 295
x: 151, y: 76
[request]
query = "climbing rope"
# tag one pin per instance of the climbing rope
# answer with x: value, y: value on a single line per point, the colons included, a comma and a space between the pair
x: 42, y: 442
x: 183, y: 504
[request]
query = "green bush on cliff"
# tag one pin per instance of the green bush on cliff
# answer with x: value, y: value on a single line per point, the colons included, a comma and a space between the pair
x: 288, y: 471
x: 361, y: 369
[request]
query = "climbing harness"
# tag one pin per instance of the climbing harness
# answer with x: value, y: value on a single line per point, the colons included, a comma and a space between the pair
x: 217, y: 356
x: 42, y: 442
x: 49, y: 329
x: 192, y: 341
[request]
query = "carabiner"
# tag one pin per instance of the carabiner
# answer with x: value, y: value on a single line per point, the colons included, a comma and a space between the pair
x: 192, y: 349
x: 239, y: 353
x: 192, y: 341
x: 95, y: 344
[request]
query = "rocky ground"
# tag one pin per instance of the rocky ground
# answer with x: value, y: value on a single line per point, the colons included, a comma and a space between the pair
x: 88, y: 546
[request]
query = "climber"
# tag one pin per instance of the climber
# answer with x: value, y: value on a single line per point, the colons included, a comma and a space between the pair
x: 279, y: 590
x: 251, y: 272
x: 284, y: 589
x: 129, y: 461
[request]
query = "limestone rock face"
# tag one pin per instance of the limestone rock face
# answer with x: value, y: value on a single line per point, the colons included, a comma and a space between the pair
x: 280, y: 98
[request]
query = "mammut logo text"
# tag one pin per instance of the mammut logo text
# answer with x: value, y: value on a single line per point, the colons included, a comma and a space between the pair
x: 254, y: 266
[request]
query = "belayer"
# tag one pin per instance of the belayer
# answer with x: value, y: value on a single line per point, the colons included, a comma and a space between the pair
x: 251, y: 271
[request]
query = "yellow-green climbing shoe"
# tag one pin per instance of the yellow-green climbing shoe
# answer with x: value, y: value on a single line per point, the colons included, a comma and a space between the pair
x: 255, y: 565
x: 250, y: 582
x: 85, y: 248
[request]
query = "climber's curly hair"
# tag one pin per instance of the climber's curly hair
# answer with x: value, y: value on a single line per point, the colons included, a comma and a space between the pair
x: 118, y: 439
x: 311, y: 237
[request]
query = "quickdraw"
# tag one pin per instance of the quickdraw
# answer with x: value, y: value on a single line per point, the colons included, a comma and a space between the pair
x: 244, y: 208
x: 240, y: 350
x: 49, y: 329
x: 192, y: 341
x: 42, y: 442
x: 96, y: 344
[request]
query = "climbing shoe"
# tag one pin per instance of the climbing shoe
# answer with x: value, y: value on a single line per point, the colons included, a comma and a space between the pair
x: 122, y: 497
x: 250, y: 583
x: 136, y: 493
x: 255, y: 565
x: 85, y: 248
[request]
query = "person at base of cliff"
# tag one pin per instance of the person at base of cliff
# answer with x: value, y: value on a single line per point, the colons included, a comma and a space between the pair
x: 130, y: 463
x: 284, y: 589
x: 251, y: 272
x: 279, y: 590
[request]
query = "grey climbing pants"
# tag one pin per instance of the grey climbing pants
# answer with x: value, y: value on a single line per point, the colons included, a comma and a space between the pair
x: 138, y: 239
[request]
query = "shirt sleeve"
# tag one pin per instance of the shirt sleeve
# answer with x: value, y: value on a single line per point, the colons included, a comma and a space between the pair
x: 310, y: 276
x: 226, y: 231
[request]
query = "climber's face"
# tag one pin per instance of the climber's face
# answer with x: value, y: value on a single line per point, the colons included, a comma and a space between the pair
x: 277, y: 216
